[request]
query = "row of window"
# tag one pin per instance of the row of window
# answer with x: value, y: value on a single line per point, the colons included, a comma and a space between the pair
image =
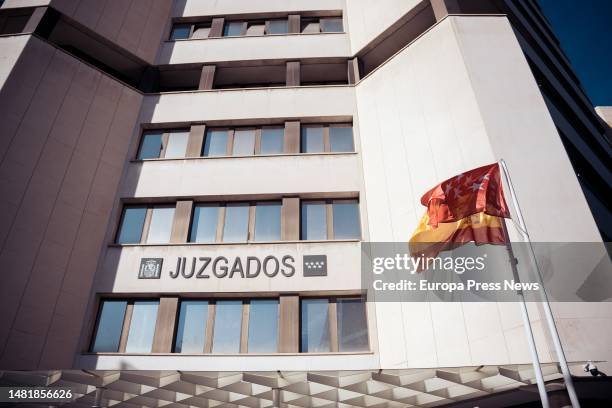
x: 246, y: 141
x: 236, y: 28
x: 240, y: 222
x: 129, y: 326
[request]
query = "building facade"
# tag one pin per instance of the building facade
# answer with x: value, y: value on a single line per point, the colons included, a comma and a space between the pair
x: 186, y: 185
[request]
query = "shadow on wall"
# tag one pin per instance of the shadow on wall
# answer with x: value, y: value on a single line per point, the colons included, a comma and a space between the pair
x: 67, y: 131
x: 124, y: 189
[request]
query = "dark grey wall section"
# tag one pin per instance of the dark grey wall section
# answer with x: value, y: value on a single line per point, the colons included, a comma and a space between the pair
x: 63, y: 144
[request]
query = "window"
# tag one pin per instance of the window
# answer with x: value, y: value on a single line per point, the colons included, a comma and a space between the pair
x: 313, y: 220
x: 215, y: 143
x: 272, y: 140
x: 327, y: 138
x: 142, y: 326
x: 267, y: 221
x: 331, y: 25
x: 180, y: 32
x: 244, y: 142
x: 352, y: 325
x: 263, y: 326
x: 110, y: 326
x: 234, y: 28
x: 341, y: 139
x: 315, y: 326
x: 236, y: 224
x: 204, y: 223
x: 161, y: 225
x: 170, y: 144
x: 191, y: 330
x: 228, y: 318
x: 312, y: 139
x: 350, y: 328
x: 221, y: 326
x: 150, y: 145
x: 176, y: 146
x: 344, y: 218
x: 132, y: 223
x: 240, y: 222
x: 277, y: 27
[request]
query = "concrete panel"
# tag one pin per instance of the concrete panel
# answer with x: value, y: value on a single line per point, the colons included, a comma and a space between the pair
x: 209, y: 8
x: 53, y: 164
x: 254, y: 103
x: 301, y: 174
x: 254, y: 48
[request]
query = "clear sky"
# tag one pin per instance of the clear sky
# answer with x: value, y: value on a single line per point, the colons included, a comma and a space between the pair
x: 584, y: 28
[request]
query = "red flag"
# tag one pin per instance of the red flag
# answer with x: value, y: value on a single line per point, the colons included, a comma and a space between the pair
x: 478, y: 190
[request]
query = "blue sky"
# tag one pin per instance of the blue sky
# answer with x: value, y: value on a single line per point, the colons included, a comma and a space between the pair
x: 584, y: 28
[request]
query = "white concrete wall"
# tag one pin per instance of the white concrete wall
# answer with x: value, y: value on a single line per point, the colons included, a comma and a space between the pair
x: 228, y: 176
x: 342, y: 257
x: 462, y: 96
x: 256, y: 103
x: 366, y: 19
x: 255, y: 48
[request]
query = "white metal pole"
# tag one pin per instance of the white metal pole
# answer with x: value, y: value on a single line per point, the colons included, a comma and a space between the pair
x: 535, y: 360
x: 552, y: 327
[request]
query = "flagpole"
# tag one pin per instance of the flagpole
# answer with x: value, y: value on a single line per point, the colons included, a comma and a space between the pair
x: 535, y: 360
x: 567, y: 376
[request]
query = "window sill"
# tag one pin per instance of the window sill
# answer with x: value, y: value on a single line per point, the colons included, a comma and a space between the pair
x: 258, y: 88
x: 254, y: 36
x: 320, y: 354
x: 244, y: 157
x: 207, y: 244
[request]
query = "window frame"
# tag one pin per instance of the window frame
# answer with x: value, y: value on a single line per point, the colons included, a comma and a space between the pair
x: 332, y: 323
x: 243, y: 30
x: 127, y: 321
x: 244, y: 325
x: 329, y: 217
x: 221, y: 216
x: 175, y: 25
x: 326, y: 136
x: 164, y: 143
x: 147, y: 222
x: 270, y: 20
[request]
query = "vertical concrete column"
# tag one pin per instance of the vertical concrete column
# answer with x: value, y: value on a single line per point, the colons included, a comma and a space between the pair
x: 196, y: 140
x: 293, y: 23
x: 216, y: 28
x: 180, y: 225
x: 353, y: 70
x: 207, y: 77
x: 164, y: 326
x: 290, y: 219
x: 289, y: 310
x: 293, y: 73
x: 292, y: 137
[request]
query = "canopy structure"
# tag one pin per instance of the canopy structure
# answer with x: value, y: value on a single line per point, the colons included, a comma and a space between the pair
x: 342, y: 389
